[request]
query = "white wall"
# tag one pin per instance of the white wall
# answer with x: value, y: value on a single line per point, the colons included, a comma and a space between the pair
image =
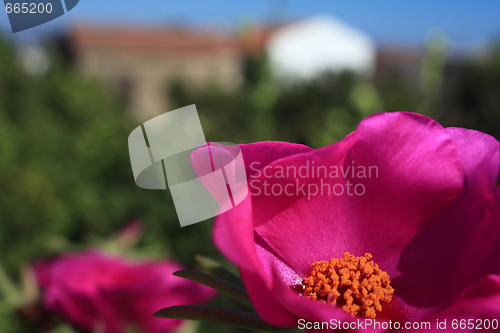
x: 304, y: 49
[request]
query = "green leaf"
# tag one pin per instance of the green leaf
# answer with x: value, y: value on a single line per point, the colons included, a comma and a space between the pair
x: 216, y: 283
x: 221, y: 316
x: 216, y: 269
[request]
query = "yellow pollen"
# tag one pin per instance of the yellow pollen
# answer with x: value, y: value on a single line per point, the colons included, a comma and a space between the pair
x: 356, y: 284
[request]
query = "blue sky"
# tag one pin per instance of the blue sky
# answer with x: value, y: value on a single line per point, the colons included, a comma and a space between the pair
x: 467, y: 23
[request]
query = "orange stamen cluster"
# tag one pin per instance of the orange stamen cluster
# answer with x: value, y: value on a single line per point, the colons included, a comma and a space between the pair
x: 355, y: 283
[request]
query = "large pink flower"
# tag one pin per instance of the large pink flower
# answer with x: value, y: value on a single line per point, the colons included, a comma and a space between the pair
x: 96, y: 291
x: 429, y: 213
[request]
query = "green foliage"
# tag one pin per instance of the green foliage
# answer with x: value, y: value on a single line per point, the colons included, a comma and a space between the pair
x: 221, y: 317
x: 67, y: 181
x: 216, y: 283
x: 64, y: 162
x: 471, y: 96
x: 66, y: 172
x: 431, y: 75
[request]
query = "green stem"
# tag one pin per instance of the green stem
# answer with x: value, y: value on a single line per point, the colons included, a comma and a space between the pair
x: 216, y: 283
x: 221, y: 316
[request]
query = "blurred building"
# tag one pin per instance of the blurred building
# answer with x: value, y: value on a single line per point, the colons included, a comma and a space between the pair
x: 141, y: 64
x: 306, y: 48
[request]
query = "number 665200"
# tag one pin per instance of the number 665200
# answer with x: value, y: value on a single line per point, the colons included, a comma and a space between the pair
x: 28, y: 8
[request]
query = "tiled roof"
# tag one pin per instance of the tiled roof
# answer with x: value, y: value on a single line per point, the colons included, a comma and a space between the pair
x: 127, y: 39
x: 251, y: 41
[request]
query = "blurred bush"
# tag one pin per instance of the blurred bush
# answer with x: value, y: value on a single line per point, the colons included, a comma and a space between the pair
x: 315, y: 113
x: 66, y: 179
x: 471, y: 96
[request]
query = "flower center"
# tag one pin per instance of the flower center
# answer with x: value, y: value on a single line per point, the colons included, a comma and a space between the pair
x: 355, y: 283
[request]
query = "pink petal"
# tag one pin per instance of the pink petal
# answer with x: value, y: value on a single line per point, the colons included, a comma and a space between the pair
x: 241, y: 251
x: 420, y: 177
x: 260, y: 154
x: 262, y: 271
x: 90, y: 288
x: 290, y: 299
x: 454, y: 252
x: 238, y: 221
x: 234, y: 236
x: 233, y: 162
x: 268, y: 306
x: 207, y: 158
x: 480, y: 302
x: 71, y: 289
x: 155, y: 289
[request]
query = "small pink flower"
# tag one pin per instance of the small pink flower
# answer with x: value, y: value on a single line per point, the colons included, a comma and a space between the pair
x: 129, y: 233
x: 93, y: 290
x: 430, y: 218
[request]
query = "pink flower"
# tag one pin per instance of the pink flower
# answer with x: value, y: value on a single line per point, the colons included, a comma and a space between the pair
x: 429, y: 213
x: 93, y: 290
